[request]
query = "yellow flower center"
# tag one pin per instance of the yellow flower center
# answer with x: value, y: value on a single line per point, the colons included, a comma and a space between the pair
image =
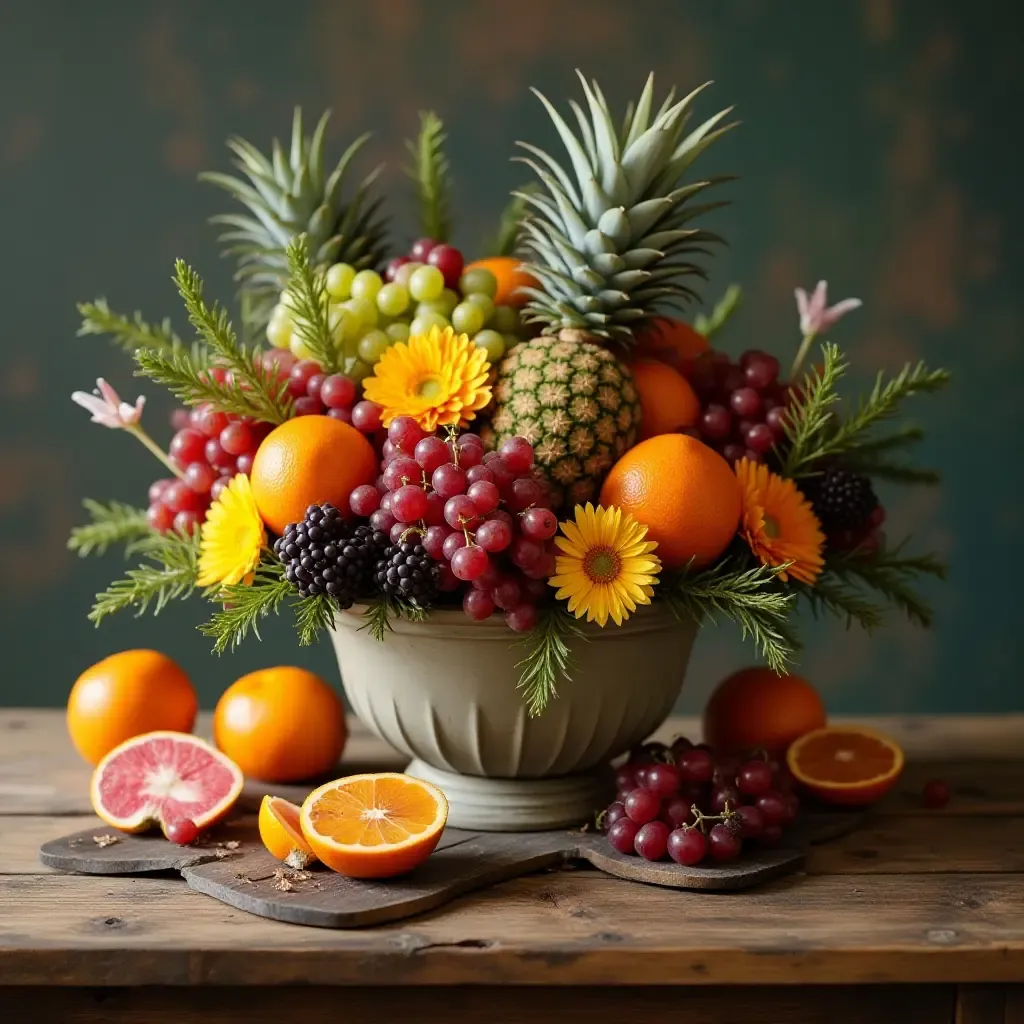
x: 771, y: 526
x: 428, y: 387
x: 601, y: 565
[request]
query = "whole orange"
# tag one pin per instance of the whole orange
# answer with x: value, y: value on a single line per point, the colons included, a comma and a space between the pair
x: 754, y: 708
x: 683, y: 492
x: 667, y: 401
x: 281, y: 724
x: 670, y: 341
x: 308, y: 460
x: 511, y: 278
x: 125, y: 695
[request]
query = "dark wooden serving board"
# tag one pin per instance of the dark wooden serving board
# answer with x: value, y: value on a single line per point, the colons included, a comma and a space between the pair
x: 231, y: 865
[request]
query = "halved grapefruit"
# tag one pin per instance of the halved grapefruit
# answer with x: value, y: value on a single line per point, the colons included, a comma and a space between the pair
x: 845, y: 764
x: 282, y: 834
x: 374, y: 826
x: 163, y: 777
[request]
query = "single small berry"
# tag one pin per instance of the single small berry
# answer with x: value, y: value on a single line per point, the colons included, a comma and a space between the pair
x: 935, y: 794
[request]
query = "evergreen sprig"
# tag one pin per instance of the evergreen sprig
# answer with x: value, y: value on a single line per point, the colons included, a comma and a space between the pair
x: 548, y: 661
x: 113, y: 523
x: 245, y: 605
x: 811, y: 414
x: 310, y: 304
x: 724, y: 309
x: 750, y: 597
x: 128, y: 333
x: 830, y: 595
x: 312, y: 615
x: 168, y: 574
x: 378, y: 617
x: 430, y: 171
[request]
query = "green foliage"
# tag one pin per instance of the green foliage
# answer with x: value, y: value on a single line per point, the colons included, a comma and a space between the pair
x: 310, y: 304
x: 167, y: 574
x: 186, y: 374
x: 753, y: 598
x: 312, y: 615
x: 508, y: 238
x: 113, y: 523
x: 724, y: 309
x: 831, y: 595
x: 128, y: 333
x: 430, y: 171
x: 816, y: 432
x: 378, y: 618
x: 548, y: 661
x: 244, y: 605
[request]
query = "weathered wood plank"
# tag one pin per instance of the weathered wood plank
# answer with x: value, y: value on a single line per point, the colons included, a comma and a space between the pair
x: 563, y: 928
x: 875, y: 1004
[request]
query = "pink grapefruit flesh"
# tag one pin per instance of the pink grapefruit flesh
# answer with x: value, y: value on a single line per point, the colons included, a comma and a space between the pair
x: 160, y: 777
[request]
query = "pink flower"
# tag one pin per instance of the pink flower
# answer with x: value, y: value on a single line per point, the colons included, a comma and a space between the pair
x: 815, y: 316
x: 107, y: 408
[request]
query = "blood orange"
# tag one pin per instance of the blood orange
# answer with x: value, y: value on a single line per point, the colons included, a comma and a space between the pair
x: 164, y: 777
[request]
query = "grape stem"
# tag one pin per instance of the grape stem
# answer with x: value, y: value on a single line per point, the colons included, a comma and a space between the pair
x: 137, y: 431
x: 700, y: 817
x: 801, y: 354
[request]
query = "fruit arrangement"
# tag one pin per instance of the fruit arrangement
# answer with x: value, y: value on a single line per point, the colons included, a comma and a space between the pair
x: 692, y: 805
x: 535, y: 432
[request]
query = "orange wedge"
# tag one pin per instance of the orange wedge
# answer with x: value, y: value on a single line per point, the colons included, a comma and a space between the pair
x: 845, y: 764
x: 374, y: 826
x: 282, y: 834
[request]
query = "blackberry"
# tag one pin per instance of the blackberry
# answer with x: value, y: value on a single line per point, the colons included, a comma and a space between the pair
x: 407, y: 573
x: 324, y: 555
x: 842, y: 499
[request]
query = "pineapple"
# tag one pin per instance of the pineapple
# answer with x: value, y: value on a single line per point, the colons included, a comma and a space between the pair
x: 289, y: 195
x: 575, y: 403
x: 609, y: 251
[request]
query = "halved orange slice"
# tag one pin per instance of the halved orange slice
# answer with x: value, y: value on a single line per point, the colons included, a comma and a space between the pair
x: 374, y: 826
x: 282, y: 834
x: 845, y: 764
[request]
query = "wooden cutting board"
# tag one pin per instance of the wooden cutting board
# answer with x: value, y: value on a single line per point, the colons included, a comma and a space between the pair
x: 232, y: 866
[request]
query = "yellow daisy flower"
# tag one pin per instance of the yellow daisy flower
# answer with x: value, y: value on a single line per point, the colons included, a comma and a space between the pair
x: 778, y: 523
x: 439, y: 379
x: 232, y: 537
x: 605, y: 568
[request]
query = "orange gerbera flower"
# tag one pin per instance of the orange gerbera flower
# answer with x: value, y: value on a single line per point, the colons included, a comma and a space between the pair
x: 778, y: 523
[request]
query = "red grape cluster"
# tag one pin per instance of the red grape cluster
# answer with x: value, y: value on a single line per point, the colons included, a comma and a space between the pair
x: 743, y: 404
x: 687, y: 803
x: 427, y: 251
x: 483, y: 517
x: 210, y: 446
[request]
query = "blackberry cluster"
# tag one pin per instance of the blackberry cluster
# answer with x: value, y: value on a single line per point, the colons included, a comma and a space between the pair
x: 407, y: 573
x: 842, y: 499
x: 324, y: 555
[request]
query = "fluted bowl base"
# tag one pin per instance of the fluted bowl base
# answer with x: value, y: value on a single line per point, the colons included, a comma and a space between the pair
x: 480, y: 804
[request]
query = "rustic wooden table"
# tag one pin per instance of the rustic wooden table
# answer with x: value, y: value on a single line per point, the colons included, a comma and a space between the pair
x: 918, y: 917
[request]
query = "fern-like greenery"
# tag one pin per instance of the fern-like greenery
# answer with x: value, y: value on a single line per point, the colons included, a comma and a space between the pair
x: 430, y: 171
x: 113, y: 523
x: 310, y: 304
x: 548, y: 661
x: 312, y: 616
x: 811, y: 415
x: 187, y: 374
x: 167, y: 574
x: 753, y: 598
x: 724, y: 309
x: 244, y: 605
x: 129, y: 333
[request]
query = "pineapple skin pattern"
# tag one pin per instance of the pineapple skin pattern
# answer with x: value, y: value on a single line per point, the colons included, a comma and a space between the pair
x: 576, y: 403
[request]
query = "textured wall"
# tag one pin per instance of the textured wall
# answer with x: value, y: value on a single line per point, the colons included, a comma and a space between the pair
x: 876, y: 151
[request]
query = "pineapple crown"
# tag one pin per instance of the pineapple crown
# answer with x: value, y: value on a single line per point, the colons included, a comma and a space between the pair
x: 608, y: 241
x: 288, y: 196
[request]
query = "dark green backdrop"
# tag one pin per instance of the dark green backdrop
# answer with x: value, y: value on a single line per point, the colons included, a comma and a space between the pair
x: 879, y: 150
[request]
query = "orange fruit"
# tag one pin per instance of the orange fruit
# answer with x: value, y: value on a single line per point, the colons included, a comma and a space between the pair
x: 683, y: 492
x: 510, y: 279
x: 127, y: 694
x: 282, y: 834
x: 281, y: 724
x: 756, y: 709
x: 374, y: 826
x: 667, y: 401
x: 308, y: 460
x: 845, y: 765
x: 671, y: 341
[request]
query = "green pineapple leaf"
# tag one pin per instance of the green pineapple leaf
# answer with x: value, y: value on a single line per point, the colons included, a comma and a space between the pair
x: 431, y: 173
x: 113, y: 523
x: 128, y: 333
x: 548, y: 662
